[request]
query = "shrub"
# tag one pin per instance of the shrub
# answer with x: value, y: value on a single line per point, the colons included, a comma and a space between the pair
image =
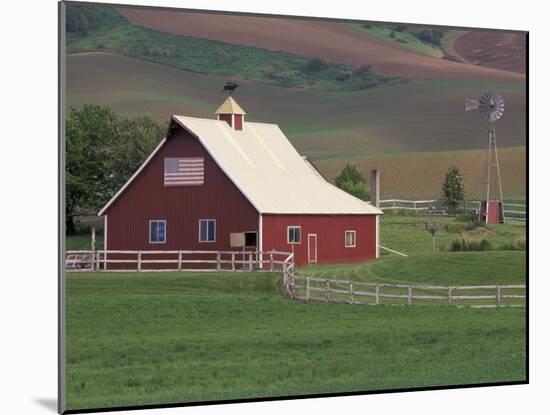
x: 470, y: 245
x: 351, y: 181
x: 316, y: 65
x: 453, y: 190
x: 364, y: 71
x: 400, y: 28
x: 432, y: 36
x: 367, y: 26
x: 519, y: 244
x: 392, y: 34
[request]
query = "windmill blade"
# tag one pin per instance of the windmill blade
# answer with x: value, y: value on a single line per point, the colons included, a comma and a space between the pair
x: 471, y: 104
x: 491, y: 106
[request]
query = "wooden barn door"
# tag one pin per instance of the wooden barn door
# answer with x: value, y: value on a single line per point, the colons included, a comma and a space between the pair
x: 312, y: 248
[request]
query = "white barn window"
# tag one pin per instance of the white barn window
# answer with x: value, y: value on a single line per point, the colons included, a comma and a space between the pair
x: 157, y: 231
x: 350, y: 239
x: 294, y: 234
x: 207, y: 230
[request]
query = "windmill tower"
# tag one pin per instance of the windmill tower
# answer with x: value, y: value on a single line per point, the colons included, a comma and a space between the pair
x: 491, y: 107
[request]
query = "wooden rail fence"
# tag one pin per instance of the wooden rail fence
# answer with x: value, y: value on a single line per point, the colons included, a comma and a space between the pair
x: 512, y: 211
x: 360, y: 292
x: 125, y: 261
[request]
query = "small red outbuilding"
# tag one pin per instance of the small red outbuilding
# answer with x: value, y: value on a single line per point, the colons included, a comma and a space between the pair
x: 210, y: 178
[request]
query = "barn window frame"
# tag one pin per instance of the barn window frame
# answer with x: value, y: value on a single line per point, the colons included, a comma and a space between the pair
x: 207, y: 240
x: 350, y: 232
x: 151, y: 241
x: 288, y: 232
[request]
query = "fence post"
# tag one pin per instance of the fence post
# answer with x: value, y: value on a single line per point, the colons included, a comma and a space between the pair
x: 327, y: 288
x: 271, y: 261
x: 139, y: 261
x: 410, y: 296
x: 232, y: 261
x: 498, y: 295
x: 218, y: 261
x: 350, y: 293
x: 250, y: 262
x: 307, y: 288
x: 450, y: 295
x: 179, y: 260
x: 377, y: 294
x: 105, y: 260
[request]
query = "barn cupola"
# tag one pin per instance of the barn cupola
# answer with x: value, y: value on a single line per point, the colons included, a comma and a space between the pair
x: 232, y: 113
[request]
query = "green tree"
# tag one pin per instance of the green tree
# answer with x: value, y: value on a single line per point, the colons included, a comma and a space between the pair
x: 351, y: 181
x: 103, y: 150
x: 453, y: 189
x: 80, y: 18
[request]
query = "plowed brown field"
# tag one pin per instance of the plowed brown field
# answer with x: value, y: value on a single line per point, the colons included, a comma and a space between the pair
x: 330, y: 40
x: 499, y: 50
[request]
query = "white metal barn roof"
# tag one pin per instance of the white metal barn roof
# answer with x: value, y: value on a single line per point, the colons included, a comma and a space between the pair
x: 265, y: 166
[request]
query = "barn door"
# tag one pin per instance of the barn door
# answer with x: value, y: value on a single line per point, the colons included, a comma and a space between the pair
x: 312, y: 248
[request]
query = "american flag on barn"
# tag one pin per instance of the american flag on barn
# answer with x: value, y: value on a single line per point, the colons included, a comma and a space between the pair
x: 188, y: 171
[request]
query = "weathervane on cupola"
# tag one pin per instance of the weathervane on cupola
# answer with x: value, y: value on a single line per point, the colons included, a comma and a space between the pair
x: 229, y: 87
x: 230, y: 111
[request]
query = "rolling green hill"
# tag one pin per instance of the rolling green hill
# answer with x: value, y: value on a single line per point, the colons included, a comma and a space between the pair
x: 416, y: 116
x: 407, y: 37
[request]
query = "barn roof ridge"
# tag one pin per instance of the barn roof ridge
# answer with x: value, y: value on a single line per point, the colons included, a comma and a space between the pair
x: 267, y: 169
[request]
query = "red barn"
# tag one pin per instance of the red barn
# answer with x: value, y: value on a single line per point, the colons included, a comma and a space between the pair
x: 210, y: 178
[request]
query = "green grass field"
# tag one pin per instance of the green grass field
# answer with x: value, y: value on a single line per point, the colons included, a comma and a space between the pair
x: 165, y: 338
x: 185, y: 337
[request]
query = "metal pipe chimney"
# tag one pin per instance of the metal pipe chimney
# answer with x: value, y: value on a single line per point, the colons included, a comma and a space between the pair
x: 375, y: 187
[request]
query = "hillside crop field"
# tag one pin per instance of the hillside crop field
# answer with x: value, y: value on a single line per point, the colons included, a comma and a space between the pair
x: 495, y: 49
x: 152, y: 338
x: 420, y: 175
x: 332, y: 40
x: 414, y: 116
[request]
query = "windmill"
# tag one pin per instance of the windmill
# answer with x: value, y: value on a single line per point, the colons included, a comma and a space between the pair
x: 491, y: 107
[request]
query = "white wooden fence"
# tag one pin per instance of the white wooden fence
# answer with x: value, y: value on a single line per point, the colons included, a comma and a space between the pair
x: 124, y: 261
x: 512, y: 211
x: 359, y: 292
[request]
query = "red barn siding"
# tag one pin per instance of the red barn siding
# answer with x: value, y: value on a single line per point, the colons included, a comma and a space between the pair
x: 238, y: 122
x: 228, y: 118
x: 146, y: 198
x: 330, y: 230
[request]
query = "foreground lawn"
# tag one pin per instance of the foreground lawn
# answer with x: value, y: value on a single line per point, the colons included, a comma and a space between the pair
x: 180, y: 337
